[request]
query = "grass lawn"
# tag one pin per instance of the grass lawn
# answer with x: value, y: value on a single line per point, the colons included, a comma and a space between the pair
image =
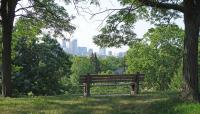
x: 145, y: 103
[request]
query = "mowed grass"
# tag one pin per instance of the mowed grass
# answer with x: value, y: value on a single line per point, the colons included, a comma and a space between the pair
x: 145, y: 103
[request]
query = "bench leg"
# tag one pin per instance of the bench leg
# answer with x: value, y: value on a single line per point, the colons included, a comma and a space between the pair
x: 86, y: 90
x: 133, y: 87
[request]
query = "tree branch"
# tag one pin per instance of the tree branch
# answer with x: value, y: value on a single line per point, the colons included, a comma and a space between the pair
x: 162, y: 5
x: 106, y: 10
x: 21, y: 15
x: 24, y: 8
x: 76, y: 7
x: 32, y: 16
x: 129, y: 9
x: 48, y: 10
x: 105, y: 19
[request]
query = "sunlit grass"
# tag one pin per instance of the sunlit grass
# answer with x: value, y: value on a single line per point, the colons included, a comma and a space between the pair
x: 145, y: 103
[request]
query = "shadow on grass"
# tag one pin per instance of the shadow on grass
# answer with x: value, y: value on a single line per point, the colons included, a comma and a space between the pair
x: 145, y: 103
x: 167, y: 106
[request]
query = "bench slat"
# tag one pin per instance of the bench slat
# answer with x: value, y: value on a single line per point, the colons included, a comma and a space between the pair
x: 110, y: 79
x: 111, y: 84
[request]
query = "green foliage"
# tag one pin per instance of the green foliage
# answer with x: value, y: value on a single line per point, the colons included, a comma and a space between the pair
x: 159, y: 56
x: 145, y: 103
x: 119, y: 26
x: 80, y: 66
x: 41, y: 65
x: 95, y: 62
x: 108, y: 72
x: 177, y: 80
x: 111, y: 63
x: 52, y: 15
x: 110, y: 90
x: 29, y: 28
x: 26, y: 28
x: 117, y: 31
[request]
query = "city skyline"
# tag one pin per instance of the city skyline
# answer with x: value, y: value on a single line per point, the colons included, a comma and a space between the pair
x: 87, y: 27
x: 72, y: 47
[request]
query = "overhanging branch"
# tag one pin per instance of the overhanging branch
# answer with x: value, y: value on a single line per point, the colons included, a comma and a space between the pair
x: 24, y: 8
x: 129, y: 9
x: 55, y: 16
x: 152, y: 3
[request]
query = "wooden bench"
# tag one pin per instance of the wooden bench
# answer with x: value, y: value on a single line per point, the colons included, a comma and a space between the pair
x: 111, y: 80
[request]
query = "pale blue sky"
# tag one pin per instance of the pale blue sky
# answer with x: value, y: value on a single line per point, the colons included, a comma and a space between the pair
x: 86, y: 28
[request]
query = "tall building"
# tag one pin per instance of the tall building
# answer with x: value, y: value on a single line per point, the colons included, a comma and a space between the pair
x: 82, y: 51
x: 68, y: 45
x: 73, y: 47
x: 63, y: 45
x: 121, y: 54
x: 102, y: 51
x: 109, y: 53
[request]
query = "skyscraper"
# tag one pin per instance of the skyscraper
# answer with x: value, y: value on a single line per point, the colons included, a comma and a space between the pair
x: 109, y: 53
x: 102, y: 51
x: 121, y: 54
x: 82, y: 51
x: 73, y: 46
x: 68, y: 45
x: 63, y: 44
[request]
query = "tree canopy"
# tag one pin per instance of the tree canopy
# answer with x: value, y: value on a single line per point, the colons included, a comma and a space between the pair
x: 119, y: 28
x: 52, y: 15
x: 158, y: 55
x: 118, y: 31
x: 39, y: 67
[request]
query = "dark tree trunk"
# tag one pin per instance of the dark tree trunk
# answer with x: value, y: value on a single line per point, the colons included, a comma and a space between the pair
x: 190, y: 59
x: 7, y: 14
x: 6, y: 60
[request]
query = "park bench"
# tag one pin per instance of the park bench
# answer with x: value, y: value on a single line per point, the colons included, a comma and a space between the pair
x: 111, y: 80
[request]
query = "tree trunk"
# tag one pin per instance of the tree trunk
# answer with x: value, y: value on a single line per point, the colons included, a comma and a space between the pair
x: 190, y: 57
x: 6, y: 60
x: 7, y: 14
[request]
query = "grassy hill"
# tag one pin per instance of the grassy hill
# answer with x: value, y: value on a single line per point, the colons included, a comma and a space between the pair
x: 145, y: 103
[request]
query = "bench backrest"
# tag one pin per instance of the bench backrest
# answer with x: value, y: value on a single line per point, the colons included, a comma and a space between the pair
x: 111, y: 78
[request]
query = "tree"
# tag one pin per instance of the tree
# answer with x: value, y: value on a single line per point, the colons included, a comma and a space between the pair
x: 118, y: 30
x: 110, y: 63
x: 52, y: 15
x: 40, y: 66
x: 158, y: 55
x: 95, y: 62
x: 80, y: 66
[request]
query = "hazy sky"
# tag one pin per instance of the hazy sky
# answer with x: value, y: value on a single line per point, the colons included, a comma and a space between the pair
x: 86, y: 27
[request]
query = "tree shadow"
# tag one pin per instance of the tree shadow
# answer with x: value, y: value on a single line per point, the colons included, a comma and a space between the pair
x: 167, y: 106
x: 144, y: 103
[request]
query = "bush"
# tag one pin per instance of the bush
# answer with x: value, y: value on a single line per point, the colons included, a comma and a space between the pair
x: 40, y: 67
